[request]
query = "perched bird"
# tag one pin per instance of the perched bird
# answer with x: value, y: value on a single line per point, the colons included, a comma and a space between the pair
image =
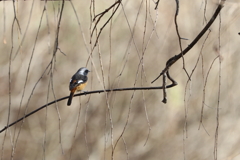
x: 77, y: 82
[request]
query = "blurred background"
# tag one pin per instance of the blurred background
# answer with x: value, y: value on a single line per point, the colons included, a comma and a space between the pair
x: 131, y: 52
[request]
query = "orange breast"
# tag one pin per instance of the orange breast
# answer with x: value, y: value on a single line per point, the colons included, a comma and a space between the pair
x: 81, y: 86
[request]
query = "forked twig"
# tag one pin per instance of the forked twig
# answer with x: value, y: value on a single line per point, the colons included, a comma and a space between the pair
x: 100, y: 15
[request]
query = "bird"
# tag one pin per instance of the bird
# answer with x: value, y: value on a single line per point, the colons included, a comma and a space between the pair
x: 77, y: 82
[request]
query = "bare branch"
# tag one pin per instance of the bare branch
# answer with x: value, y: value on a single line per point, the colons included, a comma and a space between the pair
x: 86, y: 93
x: 177, y: 57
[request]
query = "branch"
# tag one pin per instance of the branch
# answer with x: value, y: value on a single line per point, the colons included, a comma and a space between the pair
x: 175, y: 58
x: 86, y: 93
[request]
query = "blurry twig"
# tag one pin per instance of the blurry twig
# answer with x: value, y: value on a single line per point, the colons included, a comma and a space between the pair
x: 204, y: 14
x: 61, y: 51
x: 9, y: 83
x: 26, y: 81
x: 178, y: 34
x: 204, y: 90
x: 188, y: 81
x: 137, y: 73
x: 185, y: 128
x: 24, y: 35
x: 100, y: 15
x: 126, y: 149
x: 4, y: 24
x: 15, y: 17
x: 55, y: 49
x: 157, y: 4
x: 215, y: 152
x: 86, y: 93
x: 80, y: 27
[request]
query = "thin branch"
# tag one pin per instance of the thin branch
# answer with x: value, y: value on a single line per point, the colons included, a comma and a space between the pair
x: 55, y: 49
x: 85, y: 129
x: 4, y: 23
x: 136, y: 77
x: 100, y: 15
x: 61, y: 51
x: 156, y: 7
x: 205, y: 11
x: 9, y: 90
x: 179, y: 37
x: 25, y: 33
x: 104, y: 12
x: 10, y: 65
x: 188, y: 81
x: 204, y: 90
x: 45, y: 121
x: 164, y: 89
x: 126, y: 149
x: 29, y: 66
x: 80, y: 27
x: 215, y: 153
x: 85, y: 93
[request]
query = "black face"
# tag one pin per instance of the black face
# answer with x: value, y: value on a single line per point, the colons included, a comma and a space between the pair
x: 86, y: 72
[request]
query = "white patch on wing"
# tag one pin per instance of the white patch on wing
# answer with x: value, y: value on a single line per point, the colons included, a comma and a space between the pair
x: 80, y: 81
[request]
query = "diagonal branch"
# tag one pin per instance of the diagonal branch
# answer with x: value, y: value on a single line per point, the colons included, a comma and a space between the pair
x: 175, y: 58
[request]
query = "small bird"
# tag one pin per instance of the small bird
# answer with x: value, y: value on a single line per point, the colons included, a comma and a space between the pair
x: 77, y: 82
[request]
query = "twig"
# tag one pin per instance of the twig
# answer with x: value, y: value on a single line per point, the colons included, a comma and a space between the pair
x: 25, y: 33
x: 61, y: 51
x: 179, y: 37
x: 100, y: 15
x: 164, y: 89
x: 157, y: 4
x: 204, y: 91
x: 215, y: 152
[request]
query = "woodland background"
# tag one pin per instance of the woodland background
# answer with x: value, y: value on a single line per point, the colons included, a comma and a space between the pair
x: 132, y: 50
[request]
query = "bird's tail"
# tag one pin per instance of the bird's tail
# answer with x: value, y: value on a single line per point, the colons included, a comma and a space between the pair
x: 70, y: 98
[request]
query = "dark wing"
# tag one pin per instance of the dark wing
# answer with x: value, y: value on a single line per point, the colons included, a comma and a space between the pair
x: 76, y: 81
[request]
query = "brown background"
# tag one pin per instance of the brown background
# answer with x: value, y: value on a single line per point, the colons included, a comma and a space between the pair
x: 84, y: 130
